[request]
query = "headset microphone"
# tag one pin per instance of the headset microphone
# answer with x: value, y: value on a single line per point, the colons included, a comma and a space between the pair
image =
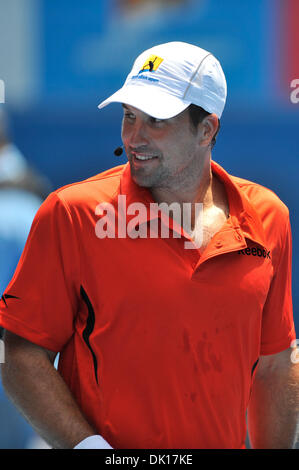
x: 118, y: 151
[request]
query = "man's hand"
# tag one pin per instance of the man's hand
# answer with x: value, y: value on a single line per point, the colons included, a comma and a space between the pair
x: 37, y: 389
x: 273, y: 412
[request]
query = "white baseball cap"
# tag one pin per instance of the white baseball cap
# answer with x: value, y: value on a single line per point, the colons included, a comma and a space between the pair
x: 167, y: 78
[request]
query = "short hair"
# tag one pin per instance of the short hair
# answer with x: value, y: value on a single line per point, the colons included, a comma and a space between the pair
x: 197, y: 115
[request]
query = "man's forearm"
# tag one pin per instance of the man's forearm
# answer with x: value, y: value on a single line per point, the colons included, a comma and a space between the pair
x: 38, y: 390
x: 273, y: 413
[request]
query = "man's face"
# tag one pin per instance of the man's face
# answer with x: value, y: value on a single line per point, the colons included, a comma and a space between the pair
x: 161, y: 153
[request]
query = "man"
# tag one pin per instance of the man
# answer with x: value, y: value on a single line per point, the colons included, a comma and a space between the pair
x: 162, y: 344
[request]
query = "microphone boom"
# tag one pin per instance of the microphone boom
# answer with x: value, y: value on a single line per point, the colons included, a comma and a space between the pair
x: 118, y: 151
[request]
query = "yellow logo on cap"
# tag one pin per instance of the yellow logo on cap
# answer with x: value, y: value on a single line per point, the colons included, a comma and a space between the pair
x: 151, y: 64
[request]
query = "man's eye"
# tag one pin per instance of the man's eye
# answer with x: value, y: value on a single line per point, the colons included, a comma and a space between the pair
x: 129, y: 116
x: 156, y: 120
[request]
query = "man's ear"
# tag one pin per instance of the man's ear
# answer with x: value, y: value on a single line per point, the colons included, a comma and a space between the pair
x: 209, y: 127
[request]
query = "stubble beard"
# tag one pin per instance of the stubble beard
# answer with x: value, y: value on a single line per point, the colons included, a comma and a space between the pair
x: 153, y: 179
x: 172, y: 179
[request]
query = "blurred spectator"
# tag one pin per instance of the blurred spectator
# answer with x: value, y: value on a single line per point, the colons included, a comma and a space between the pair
x: 140, y: 6
x: 140, y: 3
x: 22, y: 190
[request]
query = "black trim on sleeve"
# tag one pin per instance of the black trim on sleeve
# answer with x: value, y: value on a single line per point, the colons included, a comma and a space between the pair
x: 254, y: 366
x: 8, y: 296
x: 89, y: 329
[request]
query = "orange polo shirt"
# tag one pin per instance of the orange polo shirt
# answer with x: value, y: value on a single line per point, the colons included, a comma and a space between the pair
x: 158, y: 343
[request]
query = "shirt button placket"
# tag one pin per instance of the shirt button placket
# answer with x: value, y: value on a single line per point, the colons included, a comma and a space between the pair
x: 194, y: 262
x: 219, y: 244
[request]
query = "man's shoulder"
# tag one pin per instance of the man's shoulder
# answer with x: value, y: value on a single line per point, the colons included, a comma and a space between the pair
x: 98, y: 187
x: 262, y: 197
x: 82, y: 196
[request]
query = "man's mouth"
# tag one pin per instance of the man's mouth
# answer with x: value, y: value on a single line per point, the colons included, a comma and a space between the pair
x: 142, y: 156
x: 145, y: 157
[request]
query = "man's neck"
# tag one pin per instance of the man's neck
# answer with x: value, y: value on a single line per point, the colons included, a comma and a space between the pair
x: 199, y: 188
x: 207, y: 190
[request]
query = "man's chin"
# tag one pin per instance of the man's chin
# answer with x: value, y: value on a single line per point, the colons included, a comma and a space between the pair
x: 143, y: 182
x: 140, y: 178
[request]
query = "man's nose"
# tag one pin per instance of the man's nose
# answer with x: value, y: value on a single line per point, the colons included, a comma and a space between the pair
x: 139, y: 135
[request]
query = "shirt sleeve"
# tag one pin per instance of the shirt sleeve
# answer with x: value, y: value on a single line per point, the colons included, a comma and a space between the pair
x: 278, y: 329
x: 40, y: 301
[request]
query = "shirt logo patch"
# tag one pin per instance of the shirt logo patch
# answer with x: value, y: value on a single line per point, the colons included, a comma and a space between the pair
x: 255, y: 252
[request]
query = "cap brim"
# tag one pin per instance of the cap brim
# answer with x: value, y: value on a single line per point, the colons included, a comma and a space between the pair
x: 152, y: 101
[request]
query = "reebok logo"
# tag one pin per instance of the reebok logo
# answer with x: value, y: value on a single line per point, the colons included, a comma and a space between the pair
x: 255, y: 252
